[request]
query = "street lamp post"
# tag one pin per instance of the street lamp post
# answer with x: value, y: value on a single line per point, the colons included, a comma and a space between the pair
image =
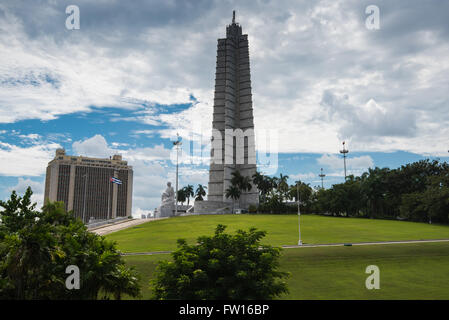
x: 299, y: 214
x: 344, y: 152
x: 177, y: 143
x: 322, y: 175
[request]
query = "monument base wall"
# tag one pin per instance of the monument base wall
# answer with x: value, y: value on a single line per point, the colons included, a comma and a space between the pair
x: 167, y: 211
x: 212, y: 207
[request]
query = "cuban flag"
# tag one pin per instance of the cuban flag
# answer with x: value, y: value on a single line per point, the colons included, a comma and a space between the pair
x: 115, y: 180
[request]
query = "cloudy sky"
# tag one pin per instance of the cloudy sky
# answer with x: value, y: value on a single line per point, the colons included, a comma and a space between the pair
x: 138, y: 72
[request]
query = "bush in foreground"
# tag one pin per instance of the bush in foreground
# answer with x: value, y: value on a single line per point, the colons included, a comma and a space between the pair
x: 36, y: 247
x: 221, y: 267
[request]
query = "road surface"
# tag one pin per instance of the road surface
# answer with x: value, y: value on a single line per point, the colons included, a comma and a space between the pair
x: 109, y: 228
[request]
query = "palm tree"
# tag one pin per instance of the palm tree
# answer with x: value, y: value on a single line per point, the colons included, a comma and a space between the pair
x: 200, y: 192
x: 189, y: 192
x: 264, y: 184
x: 243, y: 183
x: 124, y: 281
x: 282, y: 185
x: 233, y: 192
x: 237, y: 178
x: 274, y: 181
x: 181, y: 195
x: 293, y: 191
x: 258, y: 179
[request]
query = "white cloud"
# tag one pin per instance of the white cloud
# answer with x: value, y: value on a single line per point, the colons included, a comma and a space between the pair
x: 158, y: 152
x: 93, y: 147
x: 36, y: 186
x: 97, y: 146
x: 147, y: 133
x: 119, y: 144
x: 194, y: 123
x: 30, y: 137
x: 369, y: 121
x: 23, y: 184
x: 25, y: 161
x: 395, y: 79
x: 303, y: 176
x: 354, y: 165
x: 45, y: 79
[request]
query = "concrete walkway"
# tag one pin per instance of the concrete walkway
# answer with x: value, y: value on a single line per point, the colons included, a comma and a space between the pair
x: 109, y: 228
x: 364, y: 243
x: 311, y: 246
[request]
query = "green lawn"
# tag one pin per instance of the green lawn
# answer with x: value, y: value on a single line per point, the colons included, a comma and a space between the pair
x: 407, y: 271
x: 281, y: 230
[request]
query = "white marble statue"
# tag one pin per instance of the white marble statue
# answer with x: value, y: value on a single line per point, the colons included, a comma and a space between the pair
x: 167, y: 207
x: 168, y: 197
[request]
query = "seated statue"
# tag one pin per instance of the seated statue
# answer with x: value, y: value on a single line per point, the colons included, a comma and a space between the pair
x: 167, y: 207
x: 168, y: 197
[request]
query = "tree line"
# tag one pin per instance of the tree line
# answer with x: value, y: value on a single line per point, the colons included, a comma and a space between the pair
x: 417, y: 191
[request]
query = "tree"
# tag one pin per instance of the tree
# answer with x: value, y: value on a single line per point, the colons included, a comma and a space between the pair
x: 258, y: 179
x: 432, y: 205
x: 264, y: 184
x: 273, y: 203
x: 245, y: 184
x: 36, y: 247
x: 182, y: 195
x: 274, y: 182
x: 375, y: 190
x: 282, y: 186
x: 189, y: 192
x: 322, y: 200
x: 305, y: 194
x: 234, y: 193
x: 221, y: 267
x: 200, y: 192
x: 242, y: 183
x: 412, y: 207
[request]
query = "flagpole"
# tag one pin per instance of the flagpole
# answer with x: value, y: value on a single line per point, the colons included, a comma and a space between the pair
x: 299, y: 215
x: 176, y: 194
x: 177, y: 143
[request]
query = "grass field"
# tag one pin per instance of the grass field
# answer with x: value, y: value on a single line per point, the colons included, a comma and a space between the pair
x: 281, y: 230
x: 407, y: 271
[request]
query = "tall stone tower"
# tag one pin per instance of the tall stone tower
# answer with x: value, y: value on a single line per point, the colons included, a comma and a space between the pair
x: 233, y: 141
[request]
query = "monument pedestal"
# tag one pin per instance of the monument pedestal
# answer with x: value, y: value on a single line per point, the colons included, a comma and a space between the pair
x: 165, y: 211
x: 212, y: 207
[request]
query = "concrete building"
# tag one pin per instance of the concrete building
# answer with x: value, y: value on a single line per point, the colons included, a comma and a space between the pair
x: 84, y: 185
x: 233, y: 138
